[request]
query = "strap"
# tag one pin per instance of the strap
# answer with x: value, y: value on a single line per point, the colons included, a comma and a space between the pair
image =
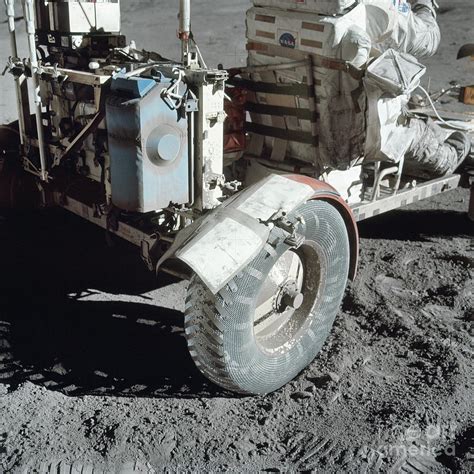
x: 303, y: 114
x: 267, y: 67
x: 290, y: 135
x: 301, y: 90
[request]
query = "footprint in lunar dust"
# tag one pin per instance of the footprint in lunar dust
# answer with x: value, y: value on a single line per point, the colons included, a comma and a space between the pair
x: 306, y: 452
x: 387, y: 286
x: 313, y: 452
x: 418, y: 463
x: 54, y: 467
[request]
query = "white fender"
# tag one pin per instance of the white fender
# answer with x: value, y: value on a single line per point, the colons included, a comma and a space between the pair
x: 220, y: 244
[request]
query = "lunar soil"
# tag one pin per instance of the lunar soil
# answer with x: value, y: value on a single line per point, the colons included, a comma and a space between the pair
x: 94, y: 371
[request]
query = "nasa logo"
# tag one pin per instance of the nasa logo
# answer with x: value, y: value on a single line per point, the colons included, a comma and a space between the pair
x: 287, y: 40
x: 402, y: 6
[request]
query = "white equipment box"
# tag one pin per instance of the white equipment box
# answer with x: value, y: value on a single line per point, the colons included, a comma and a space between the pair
x: 68, y: 16
x: 312, y: 110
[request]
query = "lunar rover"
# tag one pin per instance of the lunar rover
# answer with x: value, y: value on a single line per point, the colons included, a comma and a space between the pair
x: 223, y: 177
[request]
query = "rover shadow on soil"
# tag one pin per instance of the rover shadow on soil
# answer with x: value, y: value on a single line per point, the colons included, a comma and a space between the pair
x: 51, y: 336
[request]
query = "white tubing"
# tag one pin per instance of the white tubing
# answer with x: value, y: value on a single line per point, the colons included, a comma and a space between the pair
x: 184, y: 16
x: 10, y: 10
x: 449, y: 125
x: 184, y: 31
x: 29, y: 12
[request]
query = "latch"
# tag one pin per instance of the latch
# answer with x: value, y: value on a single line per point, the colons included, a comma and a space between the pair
x: 214, y: 180
x: 294, y: 239
x: 16, y: 67
x: 171, y: 96
x: 216, y: 117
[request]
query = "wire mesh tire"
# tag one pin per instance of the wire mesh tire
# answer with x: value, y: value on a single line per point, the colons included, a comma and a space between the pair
x: 251, y: 339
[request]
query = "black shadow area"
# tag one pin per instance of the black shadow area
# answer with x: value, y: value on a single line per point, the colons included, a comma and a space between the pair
x: 53, y: 338
x: 417, y: 225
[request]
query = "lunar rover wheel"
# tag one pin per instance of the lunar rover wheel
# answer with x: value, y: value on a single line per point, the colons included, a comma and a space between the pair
x: 268, y: 323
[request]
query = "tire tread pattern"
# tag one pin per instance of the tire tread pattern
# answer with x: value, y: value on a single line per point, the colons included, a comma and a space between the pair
x: 208, y: 316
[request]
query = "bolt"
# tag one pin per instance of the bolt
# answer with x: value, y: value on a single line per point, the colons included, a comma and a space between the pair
x: 292, y: 299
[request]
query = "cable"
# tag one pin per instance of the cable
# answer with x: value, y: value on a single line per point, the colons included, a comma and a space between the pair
x: 449, y: 125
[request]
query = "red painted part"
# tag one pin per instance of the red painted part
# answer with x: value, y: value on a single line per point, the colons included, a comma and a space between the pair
x: 234, y: 142
x: 327, y: 193
x: 234, y: 135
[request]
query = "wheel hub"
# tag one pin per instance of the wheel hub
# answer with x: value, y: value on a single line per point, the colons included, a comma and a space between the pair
x: 289, y: 297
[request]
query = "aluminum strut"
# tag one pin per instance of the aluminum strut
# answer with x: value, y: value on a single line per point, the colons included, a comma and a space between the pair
x: 184, y: 32
x: 29, y: 13
x: 21, y: 87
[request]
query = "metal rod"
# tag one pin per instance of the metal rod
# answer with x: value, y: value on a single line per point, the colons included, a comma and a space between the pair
x: 313, y: 104
x: 470, y: 213
x: 380, y: 176
x: 29, y: 13
x: 175, y: 273
x: 10, y: 10
x: 191, y: 133
x: 166, y: 238
x: 273, y: 67
x: 184, y: 31
x: 401, y: 164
